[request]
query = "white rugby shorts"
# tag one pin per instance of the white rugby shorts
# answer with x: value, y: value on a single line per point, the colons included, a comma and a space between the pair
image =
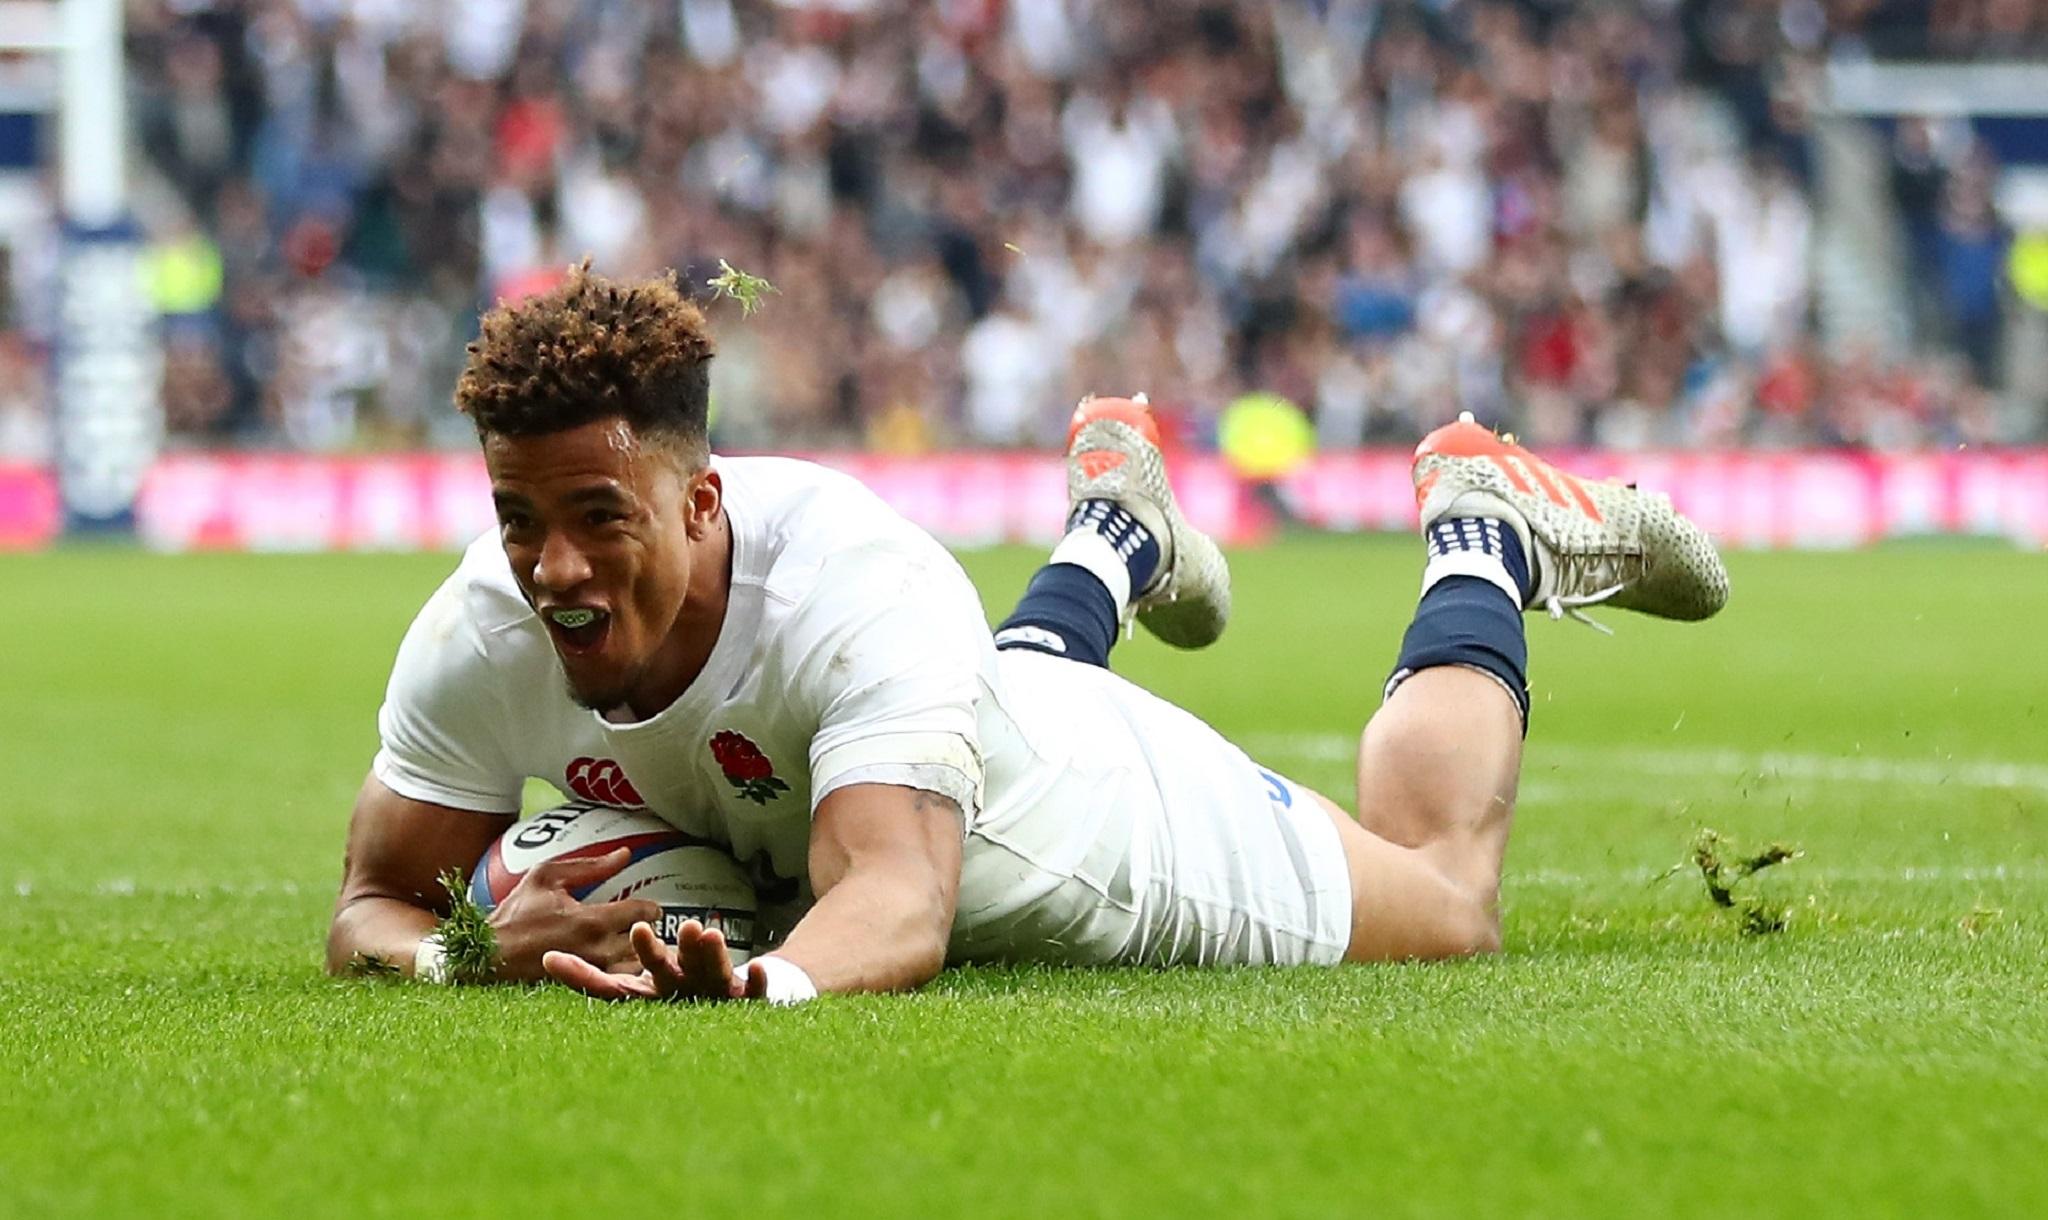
x: 1139, y: 835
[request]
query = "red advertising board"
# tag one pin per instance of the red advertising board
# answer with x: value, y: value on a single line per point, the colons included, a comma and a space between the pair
x: 439, y: 501
x: 28, y: 507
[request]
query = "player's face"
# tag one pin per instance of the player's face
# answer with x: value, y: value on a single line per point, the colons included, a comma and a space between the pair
x: 600, y: 529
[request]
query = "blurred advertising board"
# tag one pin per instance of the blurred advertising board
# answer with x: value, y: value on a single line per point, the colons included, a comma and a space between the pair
x: 201, y: 501
x: 29, y: 515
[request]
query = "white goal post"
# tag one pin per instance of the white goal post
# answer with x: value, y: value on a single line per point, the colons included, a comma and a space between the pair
x: 106, y: 357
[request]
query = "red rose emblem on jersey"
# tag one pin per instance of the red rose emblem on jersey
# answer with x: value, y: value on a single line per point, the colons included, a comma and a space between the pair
x: 601, y: 781
x: 746, y: 768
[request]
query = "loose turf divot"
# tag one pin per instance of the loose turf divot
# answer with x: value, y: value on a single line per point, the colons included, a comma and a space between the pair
x: 1980, y: 919
x: 1724, y: 869
x: 467, y: 937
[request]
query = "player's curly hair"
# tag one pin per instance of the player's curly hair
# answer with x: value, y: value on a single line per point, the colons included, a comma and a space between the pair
x: 589, y: 349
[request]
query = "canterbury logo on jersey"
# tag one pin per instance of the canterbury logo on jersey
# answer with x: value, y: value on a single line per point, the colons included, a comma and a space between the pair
x: 602, y: 781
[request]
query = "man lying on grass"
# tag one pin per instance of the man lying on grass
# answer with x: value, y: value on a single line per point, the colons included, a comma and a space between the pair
x: 940, y: 794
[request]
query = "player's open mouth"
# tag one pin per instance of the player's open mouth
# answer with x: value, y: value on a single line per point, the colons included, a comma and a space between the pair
x: 578, y: 629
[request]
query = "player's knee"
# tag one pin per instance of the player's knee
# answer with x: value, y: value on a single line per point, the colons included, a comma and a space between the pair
x: 1453, y: 929
x: 1482, y: 939
x: 1468, y: 929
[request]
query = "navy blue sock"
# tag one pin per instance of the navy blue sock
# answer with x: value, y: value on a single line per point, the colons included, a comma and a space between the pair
x: 1466, y: 616
x: 1065, y: 612
x: 1456, y: 544
x: 1132, y: 542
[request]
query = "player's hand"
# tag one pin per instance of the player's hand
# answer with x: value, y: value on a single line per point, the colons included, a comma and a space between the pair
x: 541, y: 915
x: 698, y: 967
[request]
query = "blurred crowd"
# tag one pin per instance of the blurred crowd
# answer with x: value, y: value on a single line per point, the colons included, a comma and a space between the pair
x: 1592, y: 222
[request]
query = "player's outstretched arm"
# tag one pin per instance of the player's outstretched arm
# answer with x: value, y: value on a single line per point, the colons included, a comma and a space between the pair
x: 391, y: 894
x: 885, y: 863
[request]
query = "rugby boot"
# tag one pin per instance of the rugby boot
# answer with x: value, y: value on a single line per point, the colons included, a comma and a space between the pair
x: 1589, y: 542
x: 1113, y: 454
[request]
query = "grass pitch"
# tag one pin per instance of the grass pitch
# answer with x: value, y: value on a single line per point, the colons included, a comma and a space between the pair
x: 182, y: 738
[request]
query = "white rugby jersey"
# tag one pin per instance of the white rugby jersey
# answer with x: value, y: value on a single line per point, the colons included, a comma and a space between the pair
x: 1103, y: 823
x: 854, y: 650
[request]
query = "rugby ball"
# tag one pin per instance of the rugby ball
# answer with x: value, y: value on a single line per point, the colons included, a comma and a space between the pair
x: 691, y: 878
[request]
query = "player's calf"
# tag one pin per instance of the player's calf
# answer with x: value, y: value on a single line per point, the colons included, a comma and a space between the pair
x: 1474, y: 584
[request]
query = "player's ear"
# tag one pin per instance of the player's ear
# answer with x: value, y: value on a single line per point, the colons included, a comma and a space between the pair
x: 702, y: 503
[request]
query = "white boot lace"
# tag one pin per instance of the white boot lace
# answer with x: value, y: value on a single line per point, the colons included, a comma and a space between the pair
x: 1612, y: 570
x: 1562, y: 607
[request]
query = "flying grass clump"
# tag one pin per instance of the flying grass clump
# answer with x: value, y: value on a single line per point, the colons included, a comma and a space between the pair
x: 741, y: 287
x: 1726, y: 871
x: 1980, y: 920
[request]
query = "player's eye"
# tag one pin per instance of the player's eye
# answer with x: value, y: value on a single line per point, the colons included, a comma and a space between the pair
x: 514, y: 523
x: 597, y: 518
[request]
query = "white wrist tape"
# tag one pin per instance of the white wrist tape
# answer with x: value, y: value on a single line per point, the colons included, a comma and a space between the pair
x: 430, y: 963
x: 787, y: 982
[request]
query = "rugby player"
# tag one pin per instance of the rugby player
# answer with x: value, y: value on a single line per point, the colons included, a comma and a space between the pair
x: 761, y: 652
